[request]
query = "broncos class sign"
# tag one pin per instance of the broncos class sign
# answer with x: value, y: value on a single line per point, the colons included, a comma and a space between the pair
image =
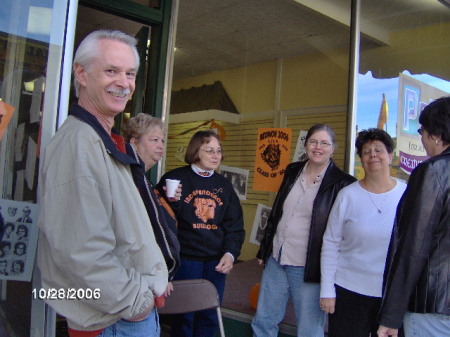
x: 273, y: 150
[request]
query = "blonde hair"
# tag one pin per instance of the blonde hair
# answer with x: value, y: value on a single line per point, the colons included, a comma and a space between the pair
x: 139, y: 125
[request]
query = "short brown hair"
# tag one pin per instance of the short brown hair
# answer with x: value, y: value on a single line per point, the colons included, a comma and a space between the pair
x: 139, y: 124
x: 197, y: 140
x: 371, y: 135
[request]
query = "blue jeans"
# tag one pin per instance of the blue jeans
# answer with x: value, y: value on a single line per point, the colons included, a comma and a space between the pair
x: 277, y: 284
x: 149, y: 327
x: 426, y: 325
x: 201, y: 323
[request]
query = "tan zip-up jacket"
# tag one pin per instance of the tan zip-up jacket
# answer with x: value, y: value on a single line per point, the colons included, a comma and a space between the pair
x: 95, y: 231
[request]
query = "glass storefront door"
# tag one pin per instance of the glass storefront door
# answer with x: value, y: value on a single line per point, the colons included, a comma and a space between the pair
x: 31, y: 48
x: 37, y: 39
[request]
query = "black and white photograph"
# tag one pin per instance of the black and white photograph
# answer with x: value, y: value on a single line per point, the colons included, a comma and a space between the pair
x: 300, y: 152
x: 18, y: 239
x: 238, y: 178
x: 260, y: 223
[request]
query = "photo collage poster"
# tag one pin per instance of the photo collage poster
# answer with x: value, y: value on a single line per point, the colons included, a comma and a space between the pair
x: 19, y: 240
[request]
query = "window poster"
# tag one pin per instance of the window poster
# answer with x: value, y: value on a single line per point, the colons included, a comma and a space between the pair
x: 6, y: 112
x: 273, y: 148
x: 18, y: 240
x: 259, y: 224
x: 414, y: 96
x: 238, y: 178
x: 300, y: 150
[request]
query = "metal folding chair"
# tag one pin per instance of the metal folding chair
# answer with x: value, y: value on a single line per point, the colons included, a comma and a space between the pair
x: 193, y: 295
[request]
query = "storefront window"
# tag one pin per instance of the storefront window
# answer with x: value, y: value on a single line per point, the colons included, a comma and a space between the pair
x: 240, y: 66
x: 31, y: 38
x: 401, y: 73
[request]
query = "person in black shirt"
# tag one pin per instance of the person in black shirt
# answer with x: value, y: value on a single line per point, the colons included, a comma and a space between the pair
x: 210, y: 226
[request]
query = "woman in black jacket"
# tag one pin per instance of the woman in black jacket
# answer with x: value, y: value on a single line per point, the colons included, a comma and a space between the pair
x: 417, y: 275
x: 291, y: 246
x: 145, y: 134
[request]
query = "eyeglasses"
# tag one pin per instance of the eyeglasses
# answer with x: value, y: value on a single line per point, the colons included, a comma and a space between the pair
x: 419, y: 131
x: 314, y: 142
x: 212, y: 151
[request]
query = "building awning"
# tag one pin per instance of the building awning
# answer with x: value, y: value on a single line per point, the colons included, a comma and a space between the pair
x: 206, y: 97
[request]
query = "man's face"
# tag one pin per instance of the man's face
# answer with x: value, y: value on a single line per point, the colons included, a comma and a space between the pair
x: 3, y: 267
x: 109, y: 82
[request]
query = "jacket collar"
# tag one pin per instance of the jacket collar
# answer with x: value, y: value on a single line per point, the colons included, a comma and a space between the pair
x: 446, y: 151
x: 131, y: 151
x: 85, y: 116
x: 332, y: 174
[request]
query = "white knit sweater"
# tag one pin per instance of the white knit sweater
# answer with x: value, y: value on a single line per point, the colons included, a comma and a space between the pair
x: 356, y: 240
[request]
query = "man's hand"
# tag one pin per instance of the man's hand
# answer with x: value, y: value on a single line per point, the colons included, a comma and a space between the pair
x: 328, y: 305
x: 384, y: 331
x: 225, y: 264
x: 169, y: 289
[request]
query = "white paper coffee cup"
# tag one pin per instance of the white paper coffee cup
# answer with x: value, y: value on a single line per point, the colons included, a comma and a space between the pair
x: 171, y: 187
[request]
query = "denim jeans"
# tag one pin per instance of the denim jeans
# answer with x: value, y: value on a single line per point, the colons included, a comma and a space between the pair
x: 426, y: 325
x: 149, y: 327
x: 201, y: 323
x: 277, y: 284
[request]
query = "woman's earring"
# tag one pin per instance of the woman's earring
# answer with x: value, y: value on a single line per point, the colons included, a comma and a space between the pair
x: 436, y: 142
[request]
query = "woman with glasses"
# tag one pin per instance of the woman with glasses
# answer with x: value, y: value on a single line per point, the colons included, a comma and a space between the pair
x: 356, y: 241
x: 210, y: 227
x: 22, y: 233
x: 417, y: 287
x: 290, y: 248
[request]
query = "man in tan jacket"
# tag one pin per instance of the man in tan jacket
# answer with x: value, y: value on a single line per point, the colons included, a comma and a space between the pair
x: 101, y: 267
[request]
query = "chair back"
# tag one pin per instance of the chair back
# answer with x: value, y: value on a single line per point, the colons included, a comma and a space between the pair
x: 193, y: 295
x: 190, y: 295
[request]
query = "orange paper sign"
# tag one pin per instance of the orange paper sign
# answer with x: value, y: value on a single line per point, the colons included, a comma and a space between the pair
x: 6, y: 112
x: 272, y: 156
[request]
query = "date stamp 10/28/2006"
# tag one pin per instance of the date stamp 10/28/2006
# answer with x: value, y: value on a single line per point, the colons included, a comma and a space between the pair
x: 65, y: 294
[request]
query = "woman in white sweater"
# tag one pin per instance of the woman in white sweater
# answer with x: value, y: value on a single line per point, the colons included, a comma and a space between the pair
x: 356, y: 241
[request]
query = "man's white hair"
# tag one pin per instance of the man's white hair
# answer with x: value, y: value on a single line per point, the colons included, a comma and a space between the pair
x: 88, y: 49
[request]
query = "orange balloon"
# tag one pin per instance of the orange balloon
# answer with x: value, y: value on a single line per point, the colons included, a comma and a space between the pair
x: 253, y: 295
